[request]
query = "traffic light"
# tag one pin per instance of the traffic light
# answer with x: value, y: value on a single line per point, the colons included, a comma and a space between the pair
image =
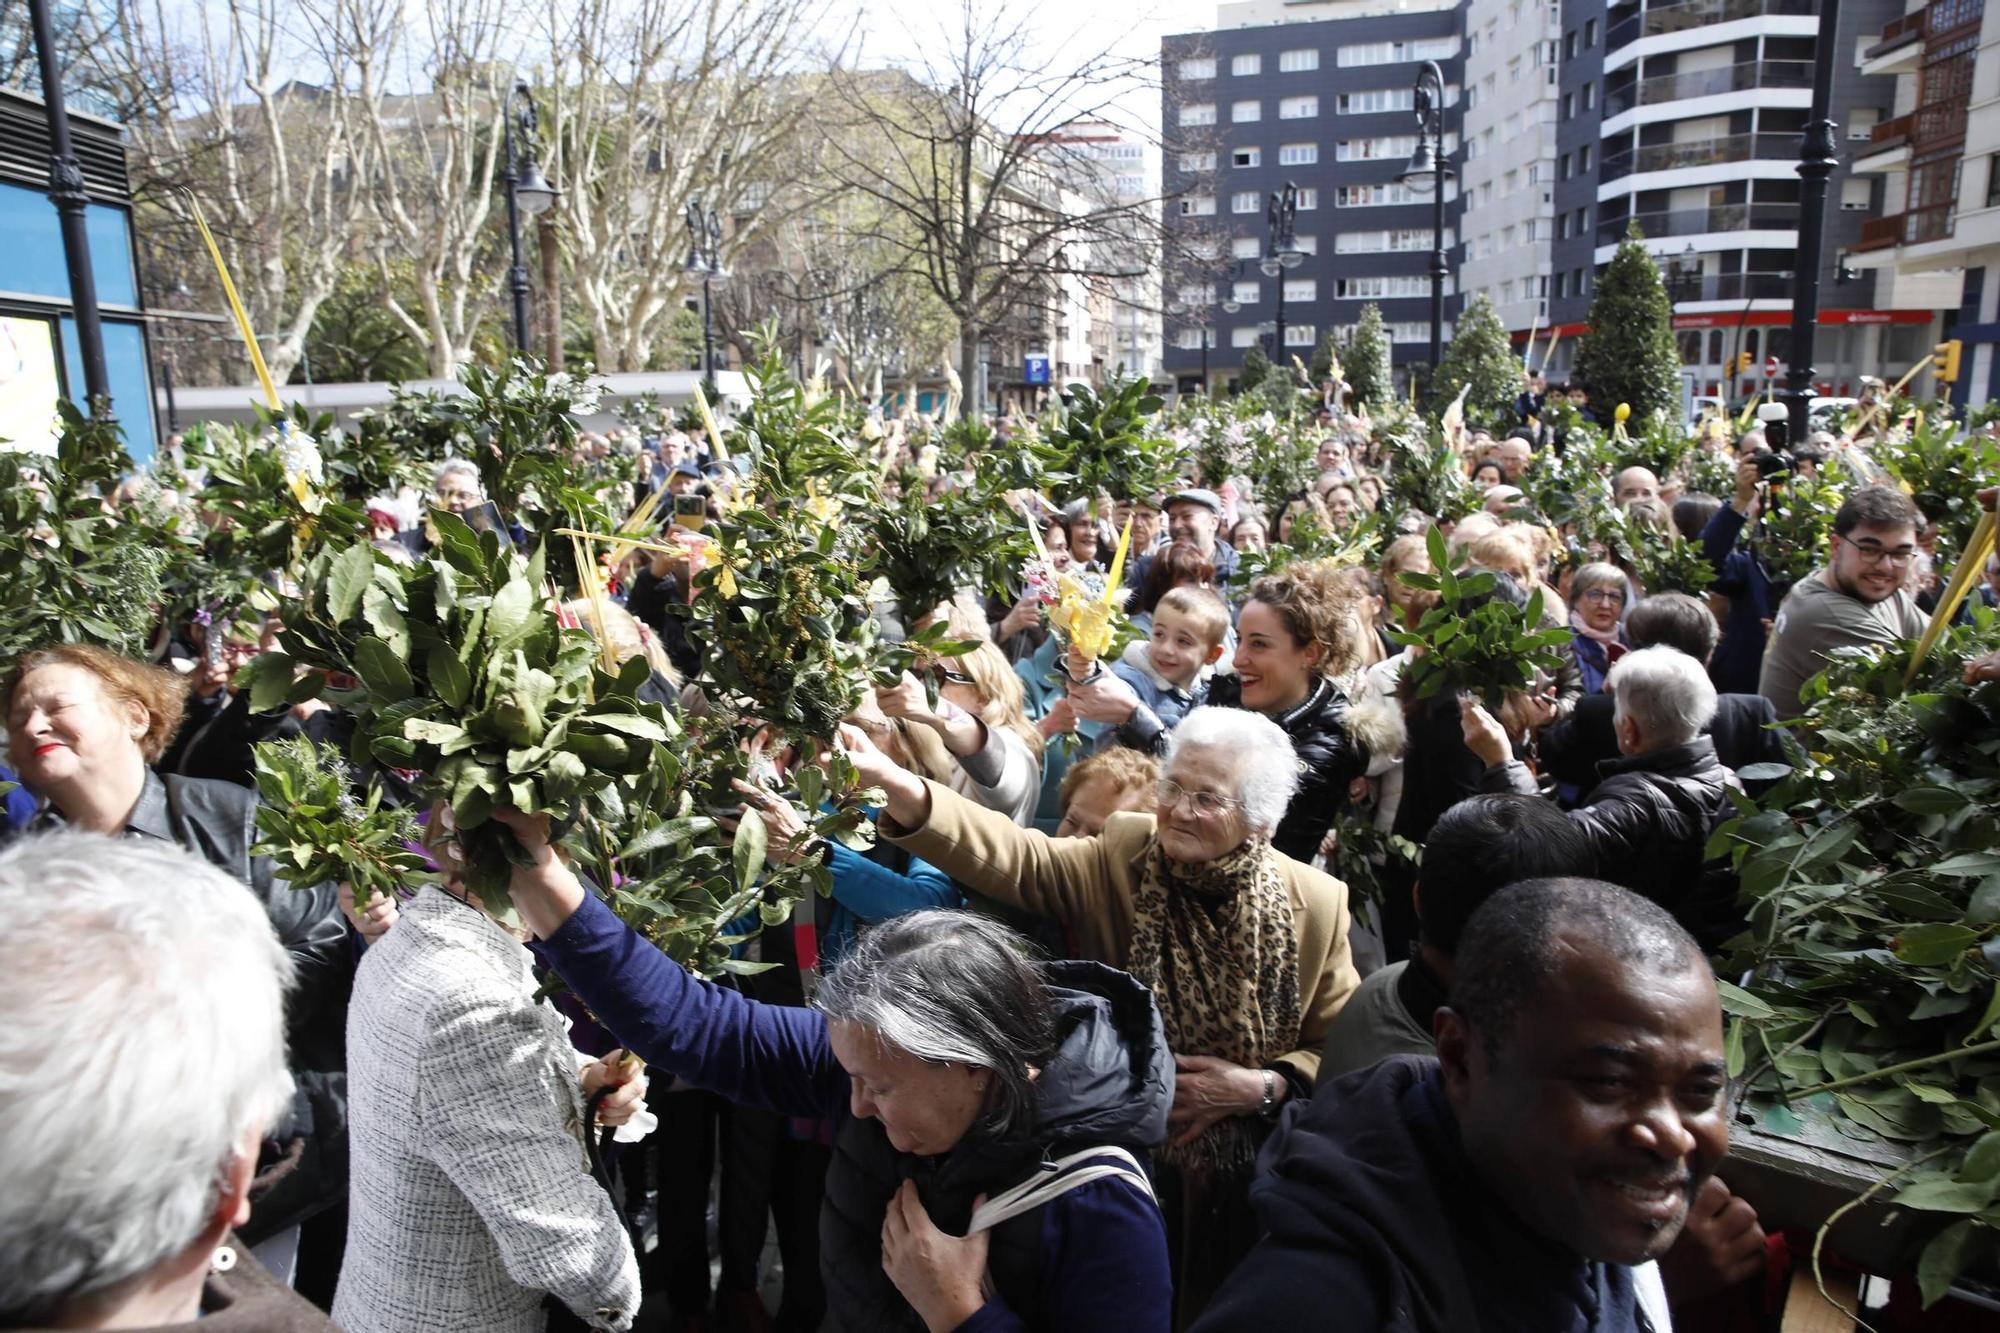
x: 1944, y: 368
x: 1744, y: 360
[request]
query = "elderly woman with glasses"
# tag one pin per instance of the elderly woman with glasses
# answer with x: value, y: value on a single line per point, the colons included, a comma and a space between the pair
x: 1598, y: 595
x: 1244, y: 949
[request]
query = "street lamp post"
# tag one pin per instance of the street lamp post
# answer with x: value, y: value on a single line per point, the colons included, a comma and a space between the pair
x: 1816, y: 162
x: 1284, y: 254
x: 704, y: 262
x: 67, y: 193
x: 528, y: 191
x: 1427, y: 174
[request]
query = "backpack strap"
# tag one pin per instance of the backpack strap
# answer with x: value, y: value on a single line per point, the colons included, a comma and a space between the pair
x: 1052, y: 1180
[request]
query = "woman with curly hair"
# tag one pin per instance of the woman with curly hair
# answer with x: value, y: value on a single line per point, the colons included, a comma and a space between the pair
x: 1296, y: 637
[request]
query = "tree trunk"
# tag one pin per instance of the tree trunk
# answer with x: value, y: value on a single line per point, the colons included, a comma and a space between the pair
x: 972, y: 403
x: 551, y: 295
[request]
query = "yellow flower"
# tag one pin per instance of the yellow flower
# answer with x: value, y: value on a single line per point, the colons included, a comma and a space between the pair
x: 1090, y: 630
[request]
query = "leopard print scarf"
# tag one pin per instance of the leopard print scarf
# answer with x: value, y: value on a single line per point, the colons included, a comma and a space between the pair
x: 1216, y: 943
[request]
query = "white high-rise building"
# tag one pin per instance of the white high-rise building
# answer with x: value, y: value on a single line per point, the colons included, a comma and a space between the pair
x: 1510, y: 157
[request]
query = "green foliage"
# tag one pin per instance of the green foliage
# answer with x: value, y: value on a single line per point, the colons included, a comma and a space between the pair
x: 1572, y: 488
x: 1323, y: 356
x: 317, y: 831
x: 1708, y: 472
x: 1480, y: 355
x: 1424, y: 474
x: 1491, y: 650
x: 1256, y: 365
x: 1942, y: 469
x: 1629, y: 355
x: 1661, y: 561
x: 784, y: 601
x: 458, y: 668
x: 1108, y: 444
x: 1662, y: 445
x: 970, y: 536
x: 1359, y: 543
x: 1362, y: 858
x: 1873, y: 951
x: 1793, y: 531
x: 1366, y: 360
x: 69, y: 571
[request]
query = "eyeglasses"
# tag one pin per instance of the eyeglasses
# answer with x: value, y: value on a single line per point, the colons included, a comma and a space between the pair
x: 1206, y: 803
x: 945, y: 675
x: 1872, y: 553
x: 1604, y: 595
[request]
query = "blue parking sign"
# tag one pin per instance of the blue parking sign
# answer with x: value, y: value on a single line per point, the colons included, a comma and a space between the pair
x: 1035, y: 368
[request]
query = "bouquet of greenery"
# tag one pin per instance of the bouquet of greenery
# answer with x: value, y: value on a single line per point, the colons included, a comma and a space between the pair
x: 1472, y: 641
x: 1708, y: 472
x: 1661, y: 446
x: 1661, y: 561
x: 458, y: 669
x: 1425, y: 475
x: 1107, y: 445
x: 1795, y: 525
x: 1942, y: 468
x: 782, y: 597
x: 70, y: 571
x: 1361, y: 859
x: 317, y: 830
x: 1281, y: 461
x: 1359, y: 543
x: 1872, y: 998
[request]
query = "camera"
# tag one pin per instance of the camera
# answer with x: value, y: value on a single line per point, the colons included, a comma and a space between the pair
x: 1771, y: 463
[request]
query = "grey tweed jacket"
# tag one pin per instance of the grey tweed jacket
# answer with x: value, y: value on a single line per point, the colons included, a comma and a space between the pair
x: 471, y: 1196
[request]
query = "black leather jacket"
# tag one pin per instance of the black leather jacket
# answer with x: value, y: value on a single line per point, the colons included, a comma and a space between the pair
x: 1329, y: 759
x: 217, y: 822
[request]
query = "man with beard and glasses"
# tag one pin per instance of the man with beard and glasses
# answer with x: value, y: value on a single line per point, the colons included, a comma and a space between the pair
x: 1531, y: 1174
x: 1861, y: 597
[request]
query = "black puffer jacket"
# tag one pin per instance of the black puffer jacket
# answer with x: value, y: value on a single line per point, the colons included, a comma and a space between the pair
x: 1329, y: 759
x: 1648, y: 821
x: 1111, y: 1083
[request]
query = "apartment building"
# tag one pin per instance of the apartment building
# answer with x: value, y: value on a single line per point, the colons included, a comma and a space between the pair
x: 1511, y: 102
x: 1937, y: 158
x: 1319, y: 95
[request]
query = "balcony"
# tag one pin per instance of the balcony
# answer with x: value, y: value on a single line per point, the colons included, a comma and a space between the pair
x: 1939, y: 122
x: 1897, y: 33
x: 1700, y: 153
x: 1661, y: 19
x: 1932, y: 222
x: 1892, y: 133
x: 1700, y: 221
x: 1708, y: 83
x: 1731, y: 287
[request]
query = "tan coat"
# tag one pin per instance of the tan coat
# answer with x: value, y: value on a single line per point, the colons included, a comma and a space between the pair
x: 1088, y: 884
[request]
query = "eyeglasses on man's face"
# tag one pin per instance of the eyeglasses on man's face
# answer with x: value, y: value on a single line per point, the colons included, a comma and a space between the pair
x: 1874, y: 553
x: 1207, y: 804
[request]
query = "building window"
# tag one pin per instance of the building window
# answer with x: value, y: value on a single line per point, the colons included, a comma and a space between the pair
x: 1590, y: 92
x: 1242, y: 65
x: 1856, y: 194
x: 1375, y: 99
x: 1583, y: 159
x: 1197, y: 161
x: 1381, y: 288
x: 1300, y: 335
x: 1562, y: 285
x: 1198, y: 206
x: 1244, y: 112
x: 1189, y: 339
x: 1298, y: 154
x: 1306, y: 243
x: 1204, y: 294
x: 1589, y: 34
x: 1861, y: 123
x: 1244, y: 335
x: 1246, y: 293
x: 1562, y: 227
x: 1301, y: 289
x: 1569, y: 45
x: 1993, y: 180
x: 1394, y: 239
x: 1392, y: 146
x: 1245, y: 201
x: 1569, y: 106
x: 1298, y: 61
x: 1245, y: 157
x: 1203, y: 68
x: 1396, y: 53
x: 1298, y: 108
x: 1562, y: 167
x: 1245, y: 247
x: 1308, y: 198
x: 1200, y: 113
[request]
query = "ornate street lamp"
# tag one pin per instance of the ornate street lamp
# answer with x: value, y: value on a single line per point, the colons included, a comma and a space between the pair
x: 528, y: 191
x: 1427, y: 174
x: 705, y: 262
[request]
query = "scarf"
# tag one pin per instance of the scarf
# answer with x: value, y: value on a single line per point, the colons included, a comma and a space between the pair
x: 1216, y: 945
x: 1610, y: 640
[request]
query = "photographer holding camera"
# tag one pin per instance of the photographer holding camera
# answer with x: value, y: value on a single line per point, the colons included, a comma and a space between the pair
x: 1741, y: 577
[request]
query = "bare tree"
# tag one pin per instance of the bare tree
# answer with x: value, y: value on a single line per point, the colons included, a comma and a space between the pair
x: 654, y: 103
x: 972, y: 163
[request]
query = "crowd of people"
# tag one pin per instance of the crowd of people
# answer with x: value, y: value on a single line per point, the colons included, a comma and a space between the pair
x: 1092, y: 1035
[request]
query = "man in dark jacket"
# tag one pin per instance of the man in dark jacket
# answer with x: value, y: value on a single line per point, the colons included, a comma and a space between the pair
x: 1649, y: 817
x: 1530, y: 1175
x: 1573, y: 749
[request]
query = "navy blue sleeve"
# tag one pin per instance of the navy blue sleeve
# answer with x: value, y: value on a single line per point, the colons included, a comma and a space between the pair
x: 763, y: 1054
x: 1104, y: 1266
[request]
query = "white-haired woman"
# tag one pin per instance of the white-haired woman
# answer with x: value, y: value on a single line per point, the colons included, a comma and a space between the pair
x: 1648, y: 818
x: 177, y: 1029
x: 1245, y: 950
x: 953, y: 1068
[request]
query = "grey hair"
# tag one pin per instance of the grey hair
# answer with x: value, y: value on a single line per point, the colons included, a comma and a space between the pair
x: 463, y: 467
x: 951, y: 988
x: 148, y: 983
x: 1665, y: 691
x: 1267, y: 768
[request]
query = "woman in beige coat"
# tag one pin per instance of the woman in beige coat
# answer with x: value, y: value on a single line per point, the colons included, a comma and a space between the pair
x: 1245, y: 950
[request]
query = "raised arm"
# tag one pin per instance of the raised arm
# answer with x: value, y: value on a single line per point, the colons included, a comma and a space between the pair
x: 767, y: 1055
